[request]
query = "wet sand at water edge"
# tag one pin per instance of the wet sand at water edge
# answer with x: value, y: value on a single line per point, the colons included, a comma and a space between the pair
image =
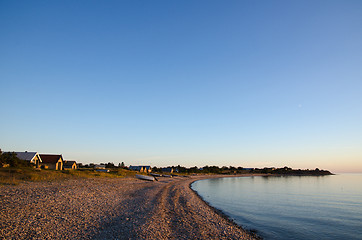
x: 118, y: 208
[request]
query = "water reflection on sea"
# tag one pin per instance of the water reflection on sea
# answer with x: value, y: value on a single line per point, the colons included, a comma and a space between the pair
x: 293, y: 207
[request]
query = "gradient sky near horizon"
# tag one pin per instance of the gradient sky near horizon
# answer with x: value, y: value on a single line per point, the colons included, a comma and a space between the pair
x: 242, y: 83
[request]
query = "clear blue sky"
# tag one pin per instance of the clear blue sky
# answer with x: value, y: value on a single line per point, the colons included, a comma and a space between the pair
x: 242, y: 83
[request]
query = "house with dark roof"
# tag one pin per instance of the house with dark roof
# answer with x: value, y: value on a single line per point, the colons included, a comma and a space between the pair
x: 32, y: 157
x: 136, y: 168
x: 167, y: 170
x: 69, y: 165
x: 52, y: 161
x: 145, y: 169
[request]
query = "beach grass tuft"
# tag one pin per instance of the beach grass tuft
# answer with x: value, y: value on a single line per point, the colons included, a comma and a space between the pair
x: 14, y: 176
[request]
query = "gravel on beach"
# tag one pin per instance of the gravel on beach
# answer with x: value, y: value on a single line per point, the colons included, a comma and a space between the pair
x: 118, y: 208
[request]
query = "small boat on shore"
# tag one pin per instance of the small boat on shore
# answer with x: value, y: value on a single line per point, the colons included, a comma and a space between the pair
x: 155, y: 175
x: 144, y: 177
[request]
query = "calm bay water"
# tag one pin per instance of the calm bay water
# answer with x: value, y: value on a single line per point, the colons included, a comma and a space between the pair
x: 324, y: 207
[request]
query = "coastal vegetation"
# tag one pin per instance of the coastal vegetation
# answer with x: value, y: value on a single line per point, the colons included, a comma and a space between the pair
x: 15, y: 175
x: 241, y: 170
x: 14, y: 170
x: 9, y: 159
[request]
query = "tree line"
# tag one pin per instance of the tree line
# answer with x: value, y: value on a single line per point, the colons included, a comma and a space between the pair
x: 241, y: 170
x: 9, y: 159
x: 223, y: 170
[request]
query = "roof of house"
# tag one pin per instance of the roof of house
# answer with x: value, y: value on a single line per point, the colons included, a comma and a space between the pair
x: 135, y: 168
x: 50, y: 158
x: 28, y: 156
x: 69, y: 163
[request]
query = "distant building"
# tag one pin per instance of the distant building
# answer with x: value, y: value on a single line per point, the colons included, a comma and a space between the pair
x: 248, y: 169
x: 69, y: 165
x: 100, y: 166
x: 52, y: 161
x: 136, y: 168
x: 145, y: 169
x: 32, y: 157
x: 167, y: 170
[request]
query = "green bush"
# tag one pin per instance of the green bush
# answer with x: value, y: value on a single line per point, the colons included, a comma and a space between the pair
x: 11, y: 159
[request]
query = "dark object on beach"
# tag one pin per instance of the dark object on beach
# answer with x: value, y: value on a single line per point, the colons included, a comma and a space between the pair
x: 102, y: 170
x: 144, y: 177
x: 155, y: 175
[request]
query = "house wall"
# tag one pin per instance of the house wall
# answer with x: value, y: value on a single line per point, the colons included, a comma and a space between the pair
x: 73, y: 167
x: 54, y: 166
x: 49, y: 165
x: 36, y: 161
x: 59, y: 165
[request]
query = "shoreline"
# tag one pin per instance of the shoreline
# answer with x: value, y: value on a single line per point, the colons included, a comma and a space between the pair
x: 113, y: 208
x: 252, y: 232
x: 125, y: 208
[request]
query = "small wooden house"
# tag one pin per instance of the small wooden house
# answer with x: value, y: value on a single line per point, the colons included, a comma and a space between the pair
x: 69, y: 165
x: 52, y: 161
x: 32, y: 157
x: 145, y: 169
x: 167, y: 170
x: 136, y: 168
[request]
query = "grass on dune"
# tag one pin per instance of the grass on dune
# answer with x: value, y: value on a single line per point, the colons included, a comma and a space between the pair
x: 13, y: 176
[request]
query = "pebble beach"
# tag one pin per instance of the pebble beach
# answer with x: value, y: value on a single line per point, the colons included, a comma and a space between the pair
x: 118, y: 208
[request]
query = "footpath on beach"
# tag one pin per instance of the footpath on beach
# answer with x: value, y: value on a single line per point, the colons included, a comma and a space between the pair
x: 104, y: 208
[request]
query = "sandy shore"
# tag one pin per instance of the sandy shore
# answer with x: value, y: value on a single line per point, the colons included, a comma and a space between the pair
x: 111, y: 209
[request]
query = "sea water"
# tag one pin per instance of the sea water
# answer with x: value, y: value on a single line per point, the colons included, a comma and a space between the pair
x: 290, y: 207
